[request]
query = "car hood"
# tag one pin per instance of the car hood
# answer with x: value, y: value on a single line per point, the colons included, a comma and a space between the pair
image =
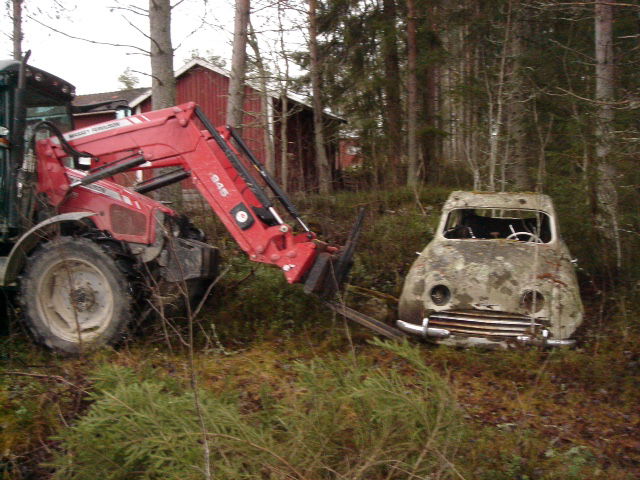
x: 493, y: 275
x: 495, y: 262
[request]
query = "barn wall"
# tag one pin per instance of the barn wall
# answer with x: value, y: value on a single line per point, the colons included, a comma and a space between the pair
x: 349, y: 154
x: 83, y: 121
x: 303, y: 175
x: 210, y: 91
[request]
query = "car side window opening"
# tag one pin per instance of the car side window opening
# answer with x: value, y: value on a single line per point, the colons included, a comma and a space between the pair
x: 491, y: 223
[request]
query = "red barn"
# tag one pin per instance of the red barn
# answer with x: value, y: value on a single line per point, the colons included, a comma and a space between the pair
x: 208, y: 86
x: 106, y: 112
x: 350, y: 153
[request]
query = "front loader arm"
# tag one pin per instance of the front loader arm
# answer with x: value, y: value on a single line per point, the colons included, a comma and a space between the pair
x: 221, y: 168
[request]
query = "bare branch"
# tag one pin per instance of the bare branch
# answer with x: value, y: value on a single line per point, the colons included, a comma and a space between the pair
x: 196, y: 311
x: 95, y: 42
x: 593, y: 101
x: 56, y: 378
x: 141, y: 12
x: 135, y: 27
x: 176, y: 4
x: 143, y: 73
x: 203, y: 22
x: 572, y: 50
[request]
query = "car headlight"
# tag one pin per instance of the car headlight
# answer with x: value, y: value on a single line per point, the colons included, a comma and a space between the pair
x: 532, y: 301
x: 440, y: 295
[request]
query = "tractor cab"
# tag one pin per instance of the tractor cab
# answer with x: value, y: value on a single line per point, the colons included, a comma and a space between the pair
x: 46, y: 96
x: 28, y: 96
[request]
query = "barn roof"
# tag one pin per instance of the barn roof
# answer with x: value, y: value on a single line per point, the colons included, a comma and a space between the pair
x: 129, y: 95
x: 198, y: 62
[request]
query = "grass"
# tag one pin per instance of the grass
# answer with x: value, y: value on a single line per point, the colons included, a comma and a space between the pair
x: 300, y: 395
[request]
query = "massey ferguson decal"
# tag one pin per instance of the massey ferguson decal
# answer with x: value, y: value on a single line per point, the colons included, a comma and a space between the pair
x: 102, y: 127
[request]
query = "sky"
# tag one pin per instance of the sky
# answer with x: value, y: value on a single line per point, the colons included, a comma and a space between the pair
x: 94, y: 68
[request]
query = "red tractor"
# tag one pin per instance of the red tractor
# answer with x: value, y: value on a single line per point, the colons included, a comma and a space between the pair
x: 79, y: 247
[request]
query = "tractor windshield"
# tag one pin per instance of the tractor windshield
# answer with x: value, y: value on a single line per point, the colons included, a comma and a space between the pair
x: 41, y: 107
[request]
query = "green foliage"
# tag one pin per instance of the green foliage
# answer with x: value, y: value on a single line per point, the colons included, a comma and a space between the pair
x: 208, y: 56
x: 128, y: 79
x: 342, y: 417
x: 388, y: 248
x: 256, y: 301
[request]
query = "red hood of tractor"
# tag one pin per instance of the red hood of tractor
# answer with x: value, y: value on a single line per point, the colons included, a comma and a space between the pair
x: 125, y: 214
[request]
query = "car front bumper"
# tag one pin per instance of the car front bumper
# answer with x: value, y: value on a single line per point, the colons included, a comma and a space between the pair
x: 498, y: 331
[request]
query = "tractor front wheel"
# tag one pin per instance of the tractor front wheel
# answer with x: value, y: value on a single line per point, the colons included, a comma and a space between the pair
x: 75, y: 296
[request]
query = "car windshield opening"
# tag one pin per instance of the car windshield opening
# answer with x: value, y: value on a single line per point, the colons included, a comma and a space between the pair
x: 494, y: 223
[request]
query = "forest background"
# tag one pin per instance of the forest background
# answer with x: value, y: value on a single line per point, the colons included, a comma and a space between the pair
x: 487, y: 95
x: 491, y: 95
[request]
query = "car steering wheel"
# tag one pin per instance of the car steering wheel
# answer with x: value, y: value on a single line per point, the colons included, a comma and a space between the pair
x: 532, y: 237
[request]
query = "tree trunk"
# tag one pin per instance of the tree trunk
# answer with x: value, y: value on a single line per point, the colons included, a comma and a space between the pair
x: 322, y: 163
x: 430, y: 87
x: 17, y: 36
x: 163, y: 84
x: 238, y: 65
x: 393, y: 107
x: 265, y: 102
x: 284, y: 109
x: 412, y: 95
x: 516, y: 108
x: 284, y: 141
x: 429, y: 141
x: 606, y: 193
x: 497, y: 101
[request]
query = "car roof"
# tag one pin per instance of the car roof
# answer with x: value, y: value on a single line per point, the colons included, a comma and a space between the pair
x: 508, y: 200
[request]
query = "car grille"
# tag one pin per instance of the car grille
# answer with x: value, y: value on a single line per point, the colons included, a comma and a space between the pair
x: 483, y: 323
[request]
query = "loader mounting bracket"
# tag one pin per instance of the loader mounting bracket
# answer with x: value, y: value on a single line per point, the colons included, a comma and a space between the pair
x: 329, y: 272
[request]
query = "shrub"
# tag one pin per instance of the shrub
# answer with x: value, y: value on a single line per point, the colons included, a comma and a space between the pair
x: 342, y: 418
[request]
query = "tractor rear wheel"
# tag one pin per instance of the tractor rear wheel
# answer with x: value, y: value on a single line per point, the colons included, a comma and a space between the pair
x: 75, y: 296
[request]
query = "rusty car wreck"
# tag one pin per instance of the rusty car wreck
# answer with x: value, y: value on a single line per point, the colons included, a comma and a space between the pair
x: 496, y: 273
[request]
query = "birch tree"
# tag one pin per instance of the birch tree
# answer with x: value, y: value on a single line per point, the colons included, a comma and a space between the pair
x: 496, y: 103
x: 606, y: 193
x: 265, y: 101
x: 322, y: 162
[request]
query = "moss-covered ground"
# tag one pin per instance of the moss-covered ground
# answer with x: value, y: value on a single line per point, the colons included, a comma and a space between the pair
x: 288, y: 390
